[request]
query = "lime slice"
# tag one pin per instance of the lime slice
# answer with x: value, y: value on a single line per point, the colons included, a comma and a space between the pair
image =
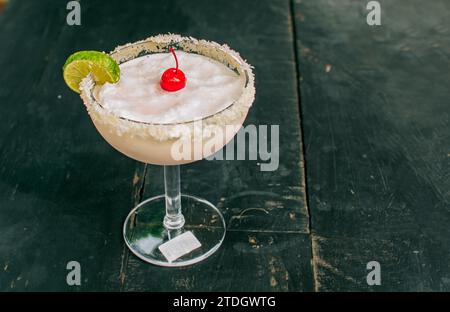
x: 80, y: 64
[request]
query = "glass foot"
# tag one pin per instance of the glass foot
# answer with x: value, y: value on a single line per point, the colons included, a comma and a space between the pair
x: 144, y: 231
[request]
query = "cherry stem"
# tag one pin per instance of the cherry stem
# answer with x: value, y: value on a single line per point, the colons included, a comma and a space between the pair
x: 175, y: 56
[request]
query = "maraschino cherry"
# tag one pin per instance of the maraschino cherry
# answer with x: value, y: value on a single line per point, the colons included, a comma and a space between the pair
x: 173, y: 79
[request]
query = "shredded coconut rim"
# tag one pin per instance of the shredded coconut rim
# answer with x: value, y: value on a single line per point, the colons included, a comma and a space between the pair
x: 161, y: 132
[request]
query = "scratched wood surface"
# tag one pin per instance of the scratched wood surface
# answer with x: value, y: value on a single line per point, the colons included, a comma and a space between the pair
x: 64, y: 192
x: 259, y: 207
x: 375, y: 107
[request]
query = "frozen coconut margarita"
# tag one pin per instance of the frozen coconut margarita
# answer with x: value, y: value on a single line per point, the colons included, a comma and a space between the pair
x: 147, y: 123
x: 156, y: 100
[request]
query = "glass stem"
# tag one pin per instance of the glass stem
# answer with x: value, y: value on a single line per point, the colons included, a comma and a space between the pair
x: 174, y: 219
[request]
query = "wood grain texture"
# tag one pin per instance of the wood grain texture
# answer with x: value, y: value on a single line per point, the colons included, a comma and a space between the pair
x: 64, y: 192
x: 376, y: 120
x: 253, y: 202
x: 246, y: 262
x: 407, y: 262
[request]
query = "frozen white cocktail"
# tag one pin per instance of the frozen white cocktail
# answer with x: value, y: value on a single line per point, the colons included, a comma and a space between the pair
x: 167, y: 100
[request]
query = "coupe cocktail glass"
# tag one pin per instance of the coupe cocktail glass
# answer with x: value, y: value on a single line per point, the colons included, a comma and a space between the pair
x: 159, y: 219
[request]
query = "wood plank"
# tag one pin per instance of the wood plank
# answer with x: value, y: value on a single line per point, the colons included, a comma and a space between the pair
x: 376, y: 119
x: 407, y: 263
x: 64, y: 192
x: 278, y: 196
x: 246, y: 262
x: 253, y: 202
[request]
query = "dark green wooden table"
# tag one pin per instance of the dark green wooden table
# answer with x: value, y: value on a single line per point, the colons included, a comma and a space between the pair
x: 375, y: 150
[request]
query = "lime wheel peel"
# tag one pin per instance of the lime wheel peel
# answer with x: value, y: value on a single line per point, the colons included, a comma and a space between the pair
x: 101, y: 66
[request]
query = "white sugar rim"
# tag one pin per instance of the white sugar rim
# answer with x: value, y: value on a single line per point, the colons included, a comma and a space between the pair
x: 161, y: 132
